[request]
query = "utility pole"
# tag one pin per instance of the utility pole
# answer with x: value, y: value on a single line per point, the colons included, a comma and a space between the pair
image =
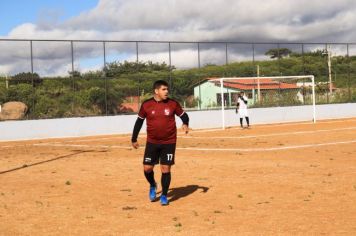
x: 258, y: 84
x: 329, y: 67
x: 7, y: 82
x: 328, y: 52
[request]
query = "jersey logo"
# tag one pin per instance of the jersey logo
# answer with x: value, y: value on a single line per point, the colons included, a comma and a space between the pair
x: 166, y: 112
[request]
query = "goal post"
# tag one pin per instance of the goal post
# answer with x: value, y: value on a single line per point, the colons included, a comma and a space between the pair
x: 268, y: 91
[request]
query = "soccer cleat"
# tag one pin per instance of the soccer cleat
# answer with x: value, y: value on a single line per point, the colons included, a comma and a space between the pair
x: 152, y: 193
x: 164, y: 200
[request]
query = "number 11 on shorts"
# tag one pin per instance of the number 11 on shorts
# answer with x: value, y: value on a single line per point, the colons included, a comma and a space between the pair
x: 169, y: 157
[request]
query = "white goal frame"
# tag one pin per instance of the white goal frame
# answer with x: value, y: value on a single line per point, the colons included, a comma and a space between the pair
x: 221, y: 80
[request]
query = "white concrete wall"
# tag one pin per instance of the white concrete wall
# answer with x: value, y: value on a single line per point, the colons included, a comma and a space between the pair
x: 90, y: 126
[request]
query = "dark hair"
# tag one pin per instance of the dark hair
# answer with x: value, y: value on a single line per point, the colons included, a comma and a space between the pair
x: 159, y: 83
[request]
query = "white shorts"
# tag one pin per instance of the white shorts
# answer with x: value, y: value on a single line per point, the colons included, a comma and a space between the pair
x: 243, y: 112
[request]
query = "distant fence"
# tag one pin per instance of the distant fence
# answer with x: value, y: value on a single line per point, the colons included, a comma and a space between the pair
x: 75, y: 78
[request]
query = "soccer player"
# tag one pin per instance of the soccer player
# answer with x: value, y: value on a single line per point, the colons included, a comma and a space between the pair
x: 241, y: 109
x: 159, y: 112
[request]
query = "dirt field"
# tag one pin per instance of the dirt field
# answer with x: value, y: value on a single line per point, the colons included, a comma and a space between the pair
x: 286, y: 179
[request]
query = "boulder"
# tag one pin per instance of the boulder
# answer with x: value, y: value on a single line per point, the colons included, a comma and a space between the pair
x: 13, y: 111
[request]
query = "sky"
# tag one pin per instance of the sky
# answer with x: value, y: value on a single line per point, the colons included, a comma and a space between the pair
x: 16, y: 12
x: 170, y: 20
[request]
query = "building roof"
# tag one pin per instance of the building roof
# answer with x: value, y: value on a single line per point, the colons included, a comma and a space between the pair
x: 265, y: 84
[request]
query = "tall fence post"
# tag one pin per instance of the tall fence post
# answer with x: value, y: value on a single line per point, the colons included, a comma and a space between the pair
x: 105, y: 78
x: 170, y: 66
x: 32, y: 81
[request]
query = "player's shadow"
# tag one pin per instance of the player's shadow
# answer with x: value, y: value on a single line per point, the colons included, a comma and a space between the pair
x: 76, y: 152
x: 180, y: 192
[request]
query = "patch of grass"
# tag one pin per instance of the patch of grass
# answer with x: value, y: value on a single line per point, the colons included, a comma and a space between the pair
x: 125, y: 190
x: 202, y: 178
x: 178, y: 225
x: 217, y: 212
x: 3, y: 194
x: 24, y: 165
x: 329, y: 174
x: 240, y: 196
x: 230, y: 207
x: 68, y: 182
x: 175, y: 218
x: 195, y: 213
x: 128, y: 208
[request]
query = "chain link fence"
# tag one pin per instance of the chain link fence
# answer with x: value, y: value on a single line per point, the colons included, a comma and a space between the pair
x: 74, y: 78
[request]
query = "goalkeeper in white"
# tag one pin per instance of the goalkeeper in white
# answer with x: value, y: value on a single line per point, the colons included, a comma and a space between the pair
x: 241, y: 109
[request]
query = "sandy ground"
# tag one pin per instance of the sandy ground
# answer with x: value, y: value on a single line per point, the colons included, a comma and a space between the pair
x: 285, y: 179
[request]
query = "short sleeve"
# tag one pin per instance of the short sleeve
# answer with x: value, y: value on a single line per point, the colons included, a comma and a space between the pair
x: 179, y: 110
x: 142, y: 113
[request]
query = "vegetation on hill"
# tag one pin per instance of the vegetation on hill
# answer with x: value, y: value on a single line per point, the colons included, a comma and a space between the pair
x: 102, y: 92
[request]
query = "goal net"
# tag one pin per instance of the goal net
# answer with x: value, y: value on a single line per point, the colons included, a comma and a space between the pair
x: 283, y: 92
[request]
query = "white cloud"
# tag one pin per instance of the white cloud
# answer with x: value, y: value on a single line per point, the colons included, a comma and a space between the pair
x: 209, y: 20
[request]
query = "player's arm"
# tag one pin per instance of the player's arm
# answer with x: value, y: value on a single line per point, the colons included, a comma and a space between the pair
x: 237, y: 107
x: 185, y: 119
x: 137, y: 127
x: 243, y: 99
x: 136, y: 131
x: 183, y: 116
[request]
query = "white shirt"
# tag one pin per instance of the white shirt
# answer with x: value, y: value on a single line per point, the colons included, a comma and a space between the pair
x: 243, y: 105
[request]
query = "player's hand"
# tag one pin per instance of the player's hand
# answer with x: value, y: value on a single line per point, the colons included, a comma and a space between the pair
x: 185, y: 128
x: 135, y: 145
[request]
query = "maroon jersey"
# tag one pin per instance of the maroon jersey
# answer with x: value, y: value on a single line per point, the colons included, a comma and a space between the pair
x: 160, y: 119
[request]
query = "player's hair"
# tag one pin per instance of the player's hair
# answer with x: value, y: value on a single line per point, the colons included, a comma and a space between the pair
x: 159, y: 83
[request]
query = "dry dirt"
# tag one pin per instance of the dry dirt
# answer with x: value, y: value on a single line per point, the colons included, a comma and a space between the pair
x: 285, y: 179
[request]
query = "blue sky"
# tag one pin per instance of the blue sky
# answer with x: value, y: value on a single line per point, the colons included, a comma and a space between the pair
x: 17, y: 12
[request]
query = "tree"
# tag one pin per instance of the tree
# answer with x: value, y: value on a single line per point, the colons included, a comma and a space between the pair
x: 26, y: 77
x: 278, y: 52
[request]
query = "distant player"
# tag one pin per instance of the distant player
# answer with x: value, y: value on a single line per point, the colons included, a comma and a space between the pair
x: 241, y: 109
x: 159, y: 112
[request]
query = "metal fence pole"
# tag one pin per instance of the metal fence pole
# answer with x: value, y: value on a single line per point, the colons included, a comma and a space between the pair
x: 303, y: 73
x: 226, y: 60
x: 138, y: 91
x: 73, y: 87
x: 279, y: 59
x: 253, y: 60
x: 105, y: 78
x: 72, y: 54
x: 32, y: 80
x: 199, y: 101
x: 170, y: 66
x: 348, y: 72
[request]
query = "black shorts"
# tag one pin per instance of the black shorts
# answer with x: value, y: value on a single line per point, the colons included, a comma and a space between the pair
x: 159, y: 153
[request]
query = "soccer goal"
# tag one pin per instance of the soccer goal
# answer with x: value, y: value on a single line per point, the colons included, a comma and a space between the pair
x: 267, y: 91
